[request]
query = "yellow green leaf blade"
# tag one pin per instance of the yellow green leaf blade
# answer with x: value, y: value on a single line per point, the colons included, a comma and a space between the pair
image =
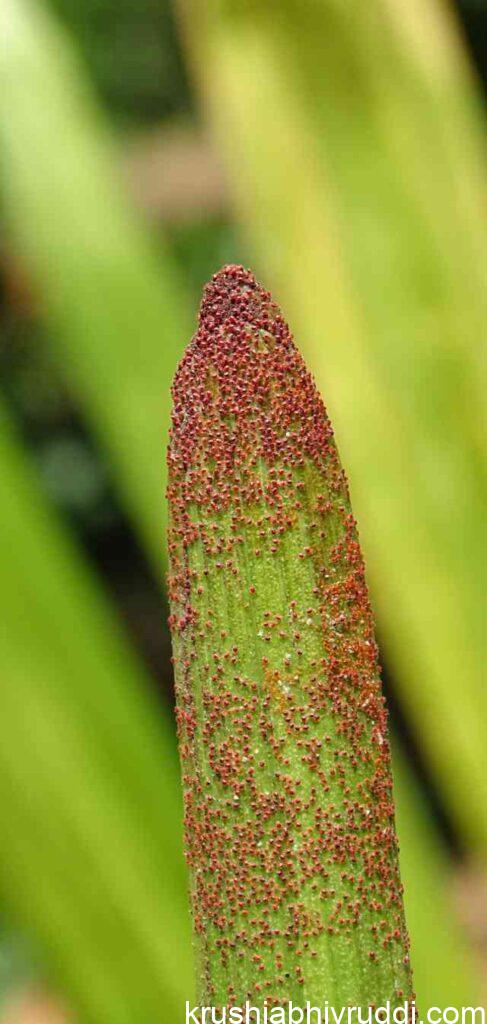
x: 114, y: 310
x: 91, y: 864
x: 445, y: 969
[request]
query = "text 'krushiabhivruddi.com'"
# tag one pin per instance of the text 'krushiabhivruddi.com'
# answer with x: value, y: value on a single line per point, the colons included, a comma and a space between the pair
x: 291, y: 1013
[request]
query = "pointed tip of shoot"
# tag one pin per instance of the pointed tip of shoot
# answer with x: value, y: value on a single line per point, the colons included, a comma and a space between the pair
x: 232, y: 292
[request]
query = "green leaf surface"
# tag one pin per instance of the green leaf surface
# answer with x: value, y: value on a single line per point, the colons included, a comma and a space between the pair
x: 114, y: 309
x: 91, y: 863
x: 445, y: 969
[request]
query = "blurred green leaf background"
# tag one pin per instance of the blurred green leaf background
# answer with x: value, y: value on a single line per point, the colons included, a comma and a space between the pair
x: 338, y: 150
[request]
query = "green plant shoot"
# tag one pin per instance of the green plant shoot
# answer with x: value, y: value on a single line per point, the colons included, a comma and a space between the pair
x: 289, y: 814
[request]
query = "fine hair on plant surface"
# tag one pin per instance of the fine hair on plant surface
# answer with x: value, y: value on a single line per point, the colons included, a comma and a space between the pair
x: 289, y: 814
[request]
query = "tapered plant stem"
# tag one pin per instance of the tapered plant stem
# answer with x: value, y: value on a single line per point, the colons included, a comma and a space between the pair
x: 289, y: 813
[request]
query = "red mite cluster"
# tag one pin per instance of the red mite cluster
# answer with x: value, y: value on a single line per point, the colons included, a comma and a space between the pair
x: 289, y: 818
